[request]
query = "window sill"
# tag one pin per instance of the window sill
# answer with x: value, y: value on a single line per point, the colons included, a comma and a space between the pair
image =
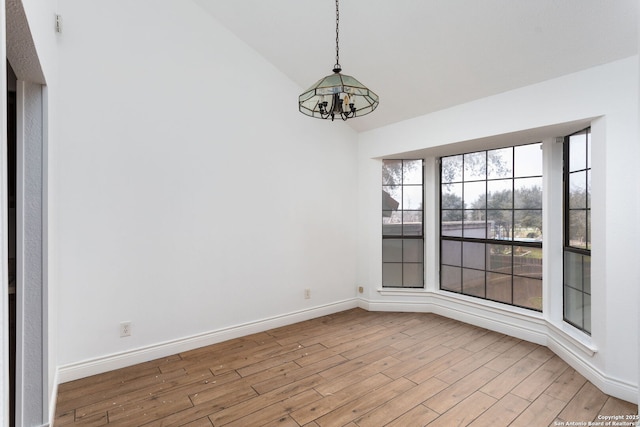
x: 463, y: 299
x: 577, y: 338
x: 403, y: 292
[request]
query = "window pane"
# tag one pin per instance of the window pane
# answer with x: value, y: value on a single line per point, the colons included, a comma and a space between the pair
x: 500, y: 194
x: 475, y: 166
x: 475, y: 215
x: 412, y: 172
x: 391, y: 198
x: 500, y: 163
x: 473, y: 282
x: 475, y: 195
x: 589, y: 148
x: 499, y: 258
x: 392, y: 274
x: 573, y: 306
x: 527, y: 261
x: 578, y: 229
x: 412, y: 250
x: 391, y: 250
x: 451, y: 223
x: 587, y: 313
x: 391, y: 172
x: 586, y: 273
x: 527, y: 292
x: 473, y: 255
x: 528, y: 226
x: 412, y: 275
x: 528, y: 160
x: 475, y: 225
x: 412, y: 197
x: 573, y: 270
x: 451, y: 278
x: 577, y: 152
x: 412, y: 223
x: 500, y: 224
x: 578, y: 190
x: 588, y: 239
x: 588, y: 188
x: 528, y: 193
x: 451, y: 196
x: 451, y: 169
x: 392, y: 224
x: 451, y: 253
x: 499, y: 287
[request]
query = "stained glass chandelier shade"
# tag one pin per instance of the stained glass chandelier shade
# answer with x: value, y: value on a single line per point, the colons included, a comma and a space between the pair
x: 337, y: 95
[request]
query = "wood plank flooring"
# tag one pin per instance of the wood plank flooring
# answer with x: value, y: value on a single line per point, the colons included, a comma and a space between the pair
x: 354, y: 368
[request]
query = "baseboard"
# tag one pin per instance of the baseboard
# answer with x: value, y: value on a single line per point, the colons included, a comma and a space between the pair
x: 516, y: 323
x: 107, y: 363
x: 562, y: 346
x: 531, y: 328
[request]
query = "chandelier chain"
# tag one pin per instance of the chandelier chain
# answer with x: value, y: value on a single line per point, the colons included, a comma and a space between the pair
x: 337, y: 36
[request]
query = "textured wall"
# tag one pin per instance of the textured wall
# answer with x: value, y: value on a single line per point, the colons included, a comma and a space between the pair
x: 21, y: 49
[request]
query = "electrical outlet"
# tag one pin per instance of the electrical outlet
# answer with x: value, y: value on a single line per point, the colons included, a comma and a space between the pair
x: 307, y: 293
x: 360, y: 289
x: 125, y: 329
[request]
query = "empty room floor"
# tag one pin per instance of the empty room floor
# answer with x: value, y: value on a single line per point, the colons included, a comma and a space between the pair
x: 354, y: 368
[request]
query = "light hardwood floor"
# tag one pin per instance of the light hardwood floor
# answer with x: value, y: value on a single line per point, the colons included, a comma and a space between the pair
x: 354, y: 368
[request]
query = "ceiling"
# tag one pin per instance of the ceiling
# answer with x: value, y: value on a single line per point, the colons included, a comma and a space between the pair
x: 421, y: 56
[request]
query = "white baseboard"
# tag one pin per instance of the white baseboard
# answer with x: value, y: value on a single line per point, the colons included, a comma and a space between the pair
x: 609, y: 385
x: 519, y: 323
x: 107, y: 363
x: 530, y: 327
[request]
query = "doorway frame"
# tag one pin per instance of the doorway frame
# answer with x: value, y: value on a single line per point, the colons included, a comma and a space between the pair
x: 34, y: 383
x: 31, y: 256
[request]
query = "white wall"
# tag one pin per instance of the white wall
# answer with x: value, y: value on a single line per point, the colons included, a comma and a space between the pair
x: 609, y: 92
x: 192, y: 197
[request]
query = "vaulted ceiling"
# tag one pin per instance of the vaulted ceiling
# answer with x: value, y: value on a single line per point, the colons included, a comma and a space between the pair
x: 421, y: 56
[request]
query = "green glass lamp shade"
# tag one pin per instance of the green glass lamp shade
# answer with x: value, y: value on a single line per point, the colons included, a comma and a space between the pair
x: 337, y: 95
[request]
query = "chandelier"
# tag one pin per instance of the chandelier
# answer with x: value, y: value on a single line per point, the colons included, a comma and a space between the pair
x: 337, y: 94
